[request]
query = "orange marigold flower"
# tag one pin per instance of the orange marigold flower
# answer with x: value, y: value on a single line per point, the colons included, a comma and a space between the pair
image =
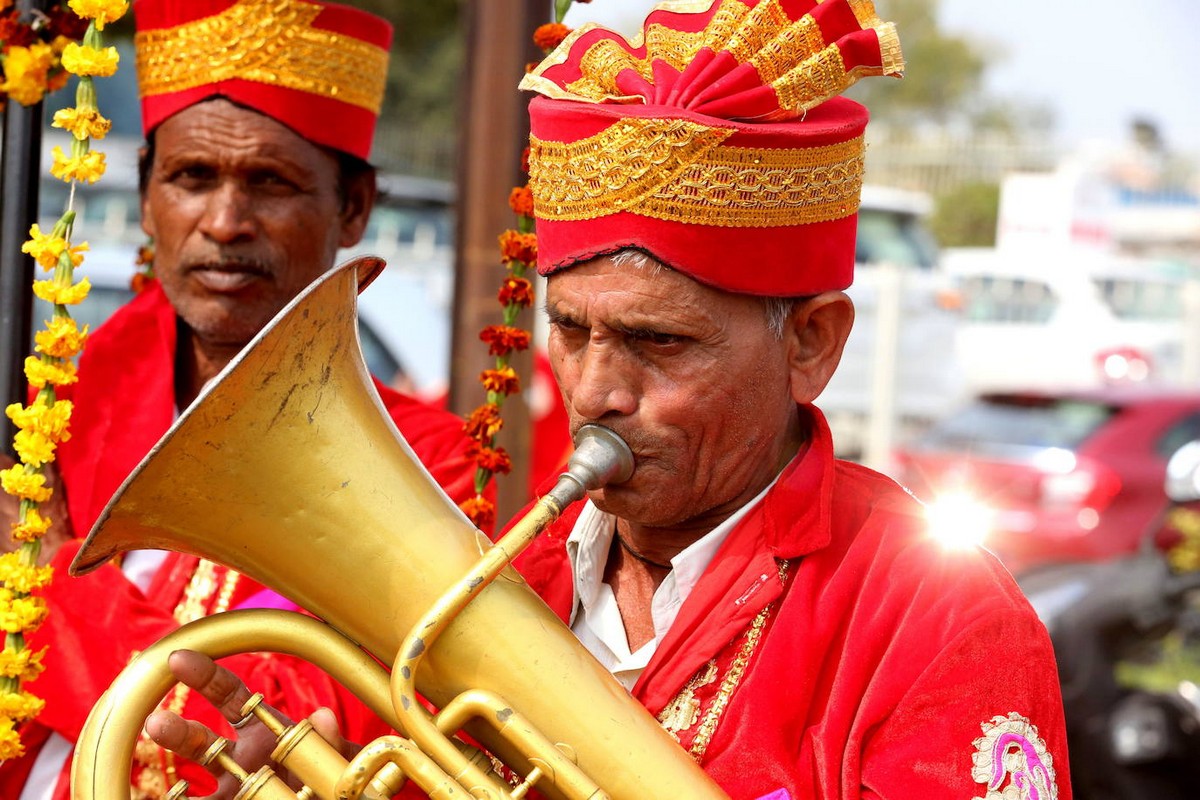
x: 516, y: 291
x: 503, y: 381
x: 517, y: 246
x: 145, y: 255
x: 550, y: 35
x: 520, y: 200
x: 484, y: 423
x: 140, y: 282
x: 525, y: 160
x: 480, y: 511
x: 503, y: 339
x: 493, y: 459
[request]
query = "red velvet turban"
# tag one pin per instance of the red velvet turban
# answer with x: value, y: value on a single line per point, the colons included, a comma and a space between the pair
x: 317, y: 67
x: 715, y: 141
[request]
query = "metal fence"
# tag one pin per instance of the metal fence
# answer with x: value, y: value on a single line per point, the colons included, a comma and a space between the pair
x: 937, y: 161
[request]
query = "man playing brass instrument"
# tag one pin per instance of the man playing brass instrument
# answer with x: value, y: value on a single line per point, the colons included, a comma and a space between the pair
x: 255, y: 175
x: 783, y: 614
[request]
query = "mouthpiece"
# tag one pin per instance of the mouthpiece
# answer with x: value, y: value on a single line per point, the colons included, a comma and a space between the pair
x: 601, y: 457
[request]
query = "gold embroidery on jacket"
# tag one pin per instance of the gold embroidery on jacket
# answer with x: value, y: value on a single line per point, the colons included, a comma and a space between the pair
x: 684, y: 710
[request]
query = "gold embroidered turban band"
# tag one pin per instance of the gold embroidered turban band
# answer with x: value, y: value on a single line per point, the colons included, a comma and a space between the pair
x: 317, y: 67
x: 715, y: 141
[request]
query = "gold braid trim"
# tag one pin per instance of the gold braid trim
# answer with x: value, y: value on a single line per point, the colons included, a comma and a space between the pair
x: 776, y: 58
x: 864, y: 12
x: 724, y: 24
x: 763, y: 24
x: 683, y: 711
x: 677, y: 170
x: 265, y: 41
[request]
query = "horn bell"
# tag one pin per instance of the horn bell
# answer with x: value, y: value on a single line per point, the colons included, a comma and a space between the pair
x: 289, y: 470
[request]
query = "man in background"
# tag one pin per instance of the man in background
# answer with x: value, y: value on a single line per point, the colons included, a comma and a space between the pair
x: 259, y: 118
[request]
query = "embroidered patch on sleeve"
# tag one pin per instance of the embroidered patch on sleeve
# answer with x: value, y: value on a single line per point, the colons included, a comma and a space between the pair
x: 1012, y: 761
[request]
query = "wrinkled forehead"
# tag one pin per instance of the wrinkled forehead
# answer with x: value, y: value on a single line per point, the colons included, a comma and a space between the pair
x: 634, y: 292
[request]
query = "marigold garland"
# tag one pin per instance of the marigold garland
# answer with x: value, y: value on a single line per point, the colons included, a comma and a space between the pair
x: 37, y: 58
x: 31, y: 50
x: 518, y: 253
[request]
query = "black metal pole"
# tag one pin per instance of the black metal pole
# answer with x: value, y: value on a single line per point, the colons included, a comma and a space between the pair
x: 20, y: 162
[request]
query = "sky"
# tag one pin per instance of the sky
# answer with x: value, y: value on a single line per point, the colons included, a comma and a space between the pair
x: 1098, y: 64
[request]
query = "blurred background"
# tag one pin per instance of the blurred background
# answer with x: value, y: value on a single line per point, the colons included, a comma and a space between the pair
x: 1026, y: 358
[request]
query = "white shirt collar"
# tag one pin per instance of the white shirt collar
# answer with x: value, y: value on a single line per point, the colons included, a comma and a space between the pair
x: 595, y: 618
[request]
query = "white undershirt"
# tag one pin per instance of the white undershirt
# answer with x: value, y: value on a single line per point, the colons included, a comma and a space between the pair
x: 595, y: 618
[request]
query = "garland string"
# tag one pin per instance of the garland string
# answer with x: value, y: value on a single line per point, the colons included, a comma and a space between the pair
x: 32, y: 67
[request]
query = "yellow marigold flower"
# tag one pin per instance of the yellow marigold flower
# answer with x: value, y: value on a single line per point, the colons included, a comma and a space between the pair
x: 45, y: 248
x: 83, y: 123
x: 22, y: 664
x: 61, y: 338
x: 39, y: 373
x: 20, y: 614
x: 50, y: 421
x: 25, y: 71
x: 10, y: 740
x: 62, y: 294
x: 29, y: 529
x: 20, y: 706
x: 21, y: 578
x: 79, y: 59
x: 88, y: 167
x: 102, y: 11
x: 25, y: 485
x: 33, y: 447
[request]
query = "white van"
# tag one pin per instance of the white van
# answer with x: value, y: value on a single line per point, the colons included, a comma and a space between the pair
x: 1067, y: 319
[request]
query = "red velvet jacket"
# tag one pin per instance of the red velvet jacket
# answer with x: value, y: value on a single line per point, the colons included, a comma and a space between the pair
x: 833, y: 650
x: 124, y: 402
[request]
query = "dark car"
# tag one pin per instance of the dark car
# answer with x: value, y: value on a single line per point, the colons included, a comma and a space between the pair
x: 1050, y: 476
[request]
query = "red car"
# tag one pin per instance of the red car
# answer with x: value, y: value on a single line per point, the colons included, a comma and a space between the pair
x: 1049, y: 477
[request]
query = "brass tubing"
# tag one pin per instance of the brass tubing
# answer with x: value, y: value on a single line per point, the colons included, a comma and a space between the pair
x: 600, y: 457
x: 514, y: 727
x: 414, y: 719
x: 141, y: 686
x: 416, y: 765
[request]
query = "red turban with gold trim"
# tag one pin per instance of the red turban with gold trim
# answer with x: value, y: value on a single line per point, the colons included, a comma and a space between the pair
x: 715, y: 141
x: 317, y: 67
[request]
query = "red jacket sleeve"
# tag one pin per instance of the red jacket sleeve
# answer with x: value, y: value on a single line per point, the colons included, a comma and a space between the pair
x: 992, y: 686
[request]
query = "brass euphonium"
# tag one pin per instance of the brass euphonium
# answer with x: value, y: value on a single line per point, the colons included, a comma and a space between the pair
x: 289, y: 470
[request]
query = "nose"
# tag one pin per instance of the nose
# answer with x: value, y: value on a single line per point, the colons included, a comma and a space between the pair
x: 606, y: 382
x: 228, y: 214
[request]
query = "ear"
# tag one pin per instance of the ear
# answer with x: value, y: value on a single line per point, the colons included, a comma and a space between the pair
x: 816, y: 333
x: 360, y: 192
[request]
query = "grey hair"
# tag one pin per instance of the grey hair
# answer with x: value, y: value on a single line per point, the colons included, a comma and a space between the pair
x: 777, y: 309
